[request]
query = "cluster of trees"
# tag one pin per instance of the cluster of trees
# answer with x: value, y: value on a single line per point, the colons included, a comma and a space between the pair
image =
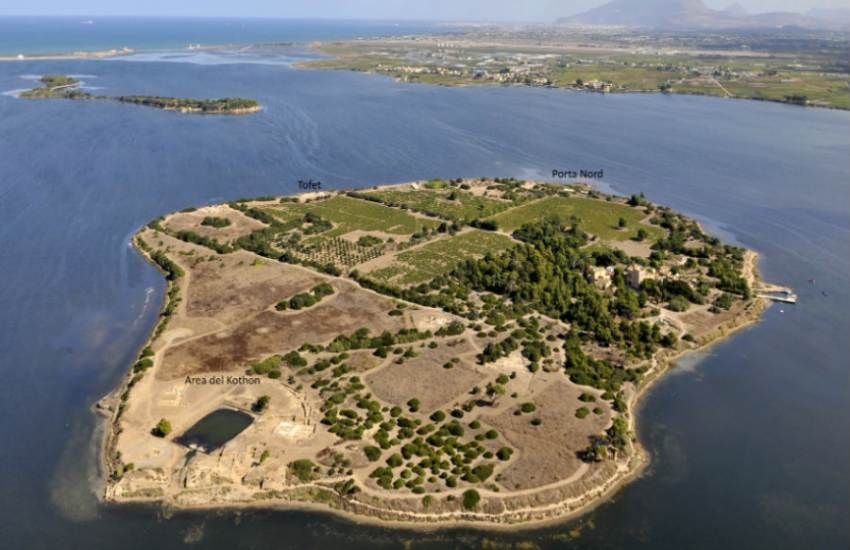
x: 597, y: 373
x: 189, y: 236
x: 494, y: 351
x: 360, y: 339
x: 729, y: 278
x: 172, y: 273
x: 215, y: 221
x: 440, y: 455
x: 171, y: 269
x: 306, y: 299
x: 369, y: 240
x: 452, y: 329
x: 304, y: 470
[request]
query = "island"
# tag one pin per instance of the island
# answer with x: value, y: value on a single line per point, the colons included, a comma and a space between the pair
x: 62, y: 86
x: 435, y: 352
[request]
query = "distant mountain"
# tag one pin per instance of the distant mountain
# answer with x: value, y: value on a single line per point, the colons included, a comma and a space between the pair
x: 689, y: 15
x: 735, y: 10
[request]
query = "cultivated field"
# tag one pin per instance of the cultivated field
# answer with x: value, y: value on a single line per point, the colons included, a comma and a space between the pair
x: 425, y: 262
x: 453, y: 205
x: 597, y: 217
x: 349, y: 214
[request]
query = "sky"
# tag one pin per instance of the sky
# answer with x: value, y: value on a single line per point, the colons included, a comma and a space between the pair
x: 475, y: 10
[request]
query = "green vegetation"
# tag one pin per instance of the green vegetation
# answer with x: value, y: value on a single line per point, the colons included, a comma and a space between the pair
x: 597, y: 217
x: 215, y: 221
x: 347, y: 214
x: 269, y: 366
x: 441, y: 256
x: 307, y: 299
x: 61, y: 86
x: 162, y: 428
x: 304, y: 470
x: 527, y: 407
x: 471, y: 498
x: 455, y: 205
x: 54, y: 85
x: 372, y: 453
x: 261, y: 404
x: 800, y: 71
x: 369, y: 240
x: 187, y: 105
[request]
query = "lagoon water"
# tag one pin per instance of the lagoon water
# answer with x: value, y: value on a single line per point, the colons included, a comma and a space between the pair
x: 749, y: 443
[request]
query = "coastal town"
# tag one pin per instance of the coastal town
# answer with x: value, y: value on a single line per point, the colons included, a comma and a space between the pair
x: 750, y: 66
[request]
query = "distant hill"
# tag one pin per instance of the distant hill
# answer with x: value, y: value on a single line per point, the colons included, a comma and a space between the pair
x: 694, y: 15
x: 735, y: 10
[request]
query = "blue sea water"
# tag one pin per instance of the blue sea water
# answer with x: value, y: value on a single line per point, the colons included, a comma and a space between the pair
x: 750, y: 444
x: 45, y: 35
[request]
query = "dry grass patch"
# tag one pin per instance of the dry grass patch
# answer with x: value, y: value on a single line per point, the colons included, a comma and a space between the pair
x: 273, y: 332
x: 234, y: 286
x: 547, y: 453
x: 240, y: 224
x: 424, y: 378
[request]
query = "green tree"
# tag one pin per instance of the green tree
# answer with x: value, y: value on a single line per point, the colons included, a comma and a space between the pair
x: 471, y: 498
x: 261, y: 404
x: 162, y: 428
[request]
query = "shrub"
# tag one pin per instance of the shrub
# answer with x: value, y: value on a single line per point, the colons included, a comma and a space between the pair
x: 438, y: 416
x: 582, y: 412
x: 294, y: 359
x: 215, y: 221
x: 261, y: 404
x: 372, y: 453
x: 303, y: 469
x: 528, y: 407
x: 678, y: 303
x: 162, y: 428
x: 368, y: 240
x: 471, y: 498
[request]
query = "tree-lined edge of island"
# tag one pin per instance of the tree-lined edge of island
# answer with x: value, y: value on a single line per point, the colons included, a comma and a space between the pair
x: 66, y: 87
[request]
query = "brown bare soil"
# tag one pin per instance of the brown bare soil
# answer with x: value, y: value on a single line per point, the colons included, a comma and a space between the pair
x: 274, y: 332
x: 425, y: 378
x: 547, y: 453
x: 239, y: 285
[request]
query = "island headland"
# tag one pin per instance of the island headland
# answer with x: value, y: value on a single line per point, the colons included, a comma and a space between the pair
x: 430, y: 353
x: 66, y: 87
